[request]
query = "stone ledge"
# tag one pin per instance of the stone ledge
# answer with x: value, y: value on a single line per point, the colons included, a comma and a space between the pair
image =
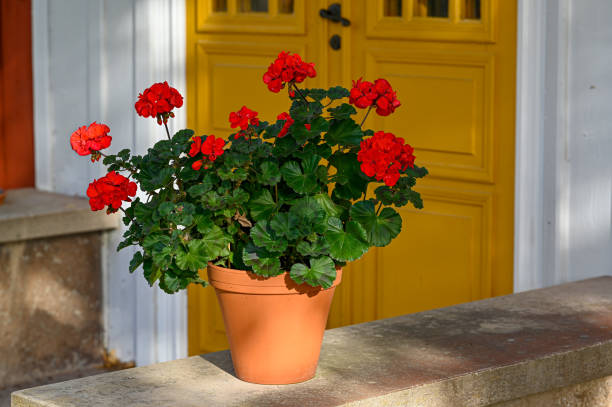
x: 31, y: 214
x: 474, y: 354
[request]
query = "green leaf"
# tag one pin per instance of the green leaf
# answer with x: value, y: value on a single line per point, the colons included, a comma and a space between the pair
x: 124, y: 154
x: 215, y: 241
x: 344, y: 111
x: 346, y: 245
x: 416, y: 172
x: 262, y: 206
x: 330, y: 208
x: 338, y: 92
x: 212, y: 200
x: 380, y: 229
x: 182, y: 136
x: 316, y: 94
x: 322, y: 272
x: 125, y: 243
x: 182, y: 214
x: 262, y: 262
x: 136, y: 261
x: 155, y: 241
x: 162, y: 257
x: 142, y: 211
x: 285, y: 224
x: 198, y: 190
x: 317, y: 248
x: 239, y: 196
x: 302, y: 182
x: 269, y: 173
x: 384, y: 194
x: 232, y: 174
x: 285, y: 146
x: 152, y: 273
x: 196, y: 256
x: 344, y: 132
x: 310, y: 214
x: 171, y: 282
x: 263, y: 236
x: 351, y: 183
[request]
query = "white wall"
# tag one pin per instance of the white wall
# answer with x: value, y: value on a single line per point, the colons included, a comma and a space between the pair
x: 564, y: 142
x: 91, y: 58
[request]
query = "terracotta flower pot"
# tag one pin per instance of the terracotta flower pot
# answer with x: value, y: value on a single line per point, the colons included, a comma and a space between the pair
x: 274, y: 326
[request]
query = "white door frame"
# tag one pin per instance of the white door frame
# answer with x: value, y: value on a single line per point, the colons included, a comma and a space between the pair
x: 541, y: 203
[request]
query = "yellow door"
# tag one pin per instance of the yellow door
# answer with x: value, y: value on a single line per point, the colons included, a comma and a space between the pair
x: 453, y: 65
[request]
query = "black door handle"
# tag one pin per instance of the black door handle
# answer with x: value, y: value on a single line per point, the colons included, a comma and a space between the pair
x: 334, y: 13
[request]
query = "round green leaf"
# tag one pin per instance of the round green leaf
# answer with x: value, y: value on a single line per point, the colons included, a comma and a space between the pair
x: 310, y: 214
x: 263, y: 236
x: 380, y: 229
x: 346, y: 245
x: 262, y: 206
x: 269, y: 173
x: 262, y: 262
x: 302, y: 182
x: 322, y: 272
x: 344, y: 132
x: 285, y: 224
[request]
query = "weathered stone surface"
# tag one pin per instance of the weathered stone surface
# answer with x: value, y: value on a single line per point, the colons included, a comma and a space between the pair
x: 474, y: 354
x: 50, y: 308
x: 28, y: 214
x: 594, y: 393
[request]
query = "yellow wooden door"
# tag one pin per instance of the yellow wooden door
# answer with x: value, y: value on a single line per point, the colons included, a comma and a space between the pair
x: 453, y: 65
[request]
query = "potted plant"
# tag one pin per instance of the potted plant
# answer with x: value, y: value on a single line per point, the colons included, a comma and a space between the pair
x: 274, y: 212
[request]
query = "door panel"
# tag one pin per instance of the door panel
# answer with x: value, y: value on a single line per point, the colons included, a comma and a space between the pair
x: 452, y: 64
x: 446, y: 111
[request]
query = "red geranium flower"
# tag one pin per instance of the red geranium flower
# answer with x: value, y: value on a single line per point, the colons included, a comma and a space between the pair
x: 110, y: 190
x: 287, y: 68
x: 383, y: 156
x: 90, y: 139
x: 243, y: 118
x: 158, y: 101
x: 211, y: 148
x: 380, y: 94
x: 288, y: 123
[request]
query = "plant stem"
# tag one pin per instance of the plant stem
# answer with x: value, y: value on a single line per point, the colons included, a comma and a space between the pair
x: 300, y: 93
x: 126, y: 214
x: 167, y: 131
x: 379, y: 207
x: 366, y: 116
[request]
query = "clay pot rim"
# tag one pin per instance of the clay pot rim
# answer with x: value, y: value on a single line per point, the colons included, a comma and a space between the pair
x: 243, y: 281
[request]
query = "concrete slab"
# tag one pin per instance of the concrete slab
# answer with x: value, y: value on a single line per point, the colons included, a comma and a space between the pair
x: 474, y: 354
x: 30, y: 214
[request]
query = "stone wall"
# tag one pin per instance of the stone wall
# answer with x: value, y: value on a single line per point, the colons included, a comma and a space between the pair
x: 50, y: 308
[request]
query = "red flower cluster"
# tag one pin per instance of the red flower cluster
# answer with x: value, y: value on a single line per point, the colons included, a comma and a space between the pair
x: 380, y: 94
x: 288, y: 123
x: 243, y: 118
x: 287, y: 68
x: 211, y: 148
x: 158, y: 101
x: 110, y: 190
x: 383, y: 156
x: 90, y: 140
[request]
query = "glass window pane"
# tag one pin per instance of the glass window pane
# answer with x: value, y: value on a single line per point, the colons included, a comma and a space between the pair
x: 220, y: 5
x: 253, y: 6
x: 393, y: 8
x: 285, y: 6
x: 431, y: 8
x: 471, y: 9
